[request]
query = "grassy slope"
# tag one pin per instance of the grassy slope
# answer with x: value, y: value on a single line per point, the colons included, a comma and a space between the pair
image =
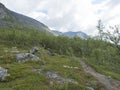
x: 9, y: 37
x: 22, y: 76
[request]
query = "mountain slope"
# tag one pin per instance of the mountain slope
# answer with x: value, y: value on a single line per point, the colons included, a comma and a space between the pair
x: 9, y: 18
x: 57, y: 32
x: 72, y: 34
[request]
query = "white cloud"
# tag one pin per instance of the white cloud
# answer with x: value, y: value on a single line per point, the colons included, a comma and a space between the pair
x: 69, y: 15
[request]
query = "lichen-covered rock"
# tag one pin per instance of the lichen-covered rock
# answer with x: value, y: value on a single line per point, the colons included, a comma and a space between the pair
x: 3, y: 73
x: 34, y: 50
x: 22, y: 57
x: 33, y: 57
x: 53, y: 75
x: 51, y: 53
x: 89, y: 86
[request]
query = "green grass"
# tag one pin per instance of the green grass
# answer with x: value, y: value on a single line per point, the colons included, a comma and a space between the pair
x: 23, y: 77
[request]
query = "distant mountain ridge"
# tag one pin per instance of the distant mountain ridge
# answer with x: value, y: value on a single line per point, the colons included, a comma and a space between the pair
x: 72, y: 34
x: 9, y: 18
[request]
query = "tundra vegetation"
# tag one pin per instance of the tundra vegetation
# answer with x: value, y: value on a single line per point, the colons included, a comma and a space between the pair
x: 101, y: 52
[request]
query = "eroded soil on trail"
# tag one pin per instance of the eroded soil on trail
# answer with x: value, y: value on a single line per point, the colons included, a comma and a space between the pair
x: 107, y: 82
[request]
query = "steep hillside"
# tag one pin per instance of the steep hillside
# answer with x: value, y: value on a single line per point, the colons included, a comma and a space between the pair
x: 9, y: 18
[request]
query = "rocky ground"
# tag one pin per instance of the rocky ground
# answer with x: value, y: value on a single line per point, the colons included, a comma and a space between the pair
x: 108, y: 82
x: 50, y: 72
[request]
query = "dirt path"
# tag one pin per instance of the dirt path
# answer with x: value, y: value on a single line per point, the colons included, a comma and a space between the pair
x: 108, y: 83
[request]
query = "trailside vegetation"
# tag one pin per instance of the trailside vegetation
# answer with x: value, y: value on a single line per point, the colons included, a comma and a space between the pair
x: 98, y: 51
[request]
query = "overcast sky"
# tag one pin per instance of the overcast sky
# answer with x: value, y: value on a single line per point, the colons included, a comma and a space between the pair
x: 69, y: 15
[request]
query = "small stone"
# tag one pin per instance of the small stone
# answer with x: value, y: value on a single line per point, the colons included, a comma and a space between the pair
x: 53, y: 75
x: 3, y: 73
x: 51, y: 83
x: 38, y: 70
x: 1, y: 56
x: 35, y: 50
x: 89, y: 86
x: 109, y: 77
x: 76, y: 68
x: 33, y: 57
x: 51, y: 53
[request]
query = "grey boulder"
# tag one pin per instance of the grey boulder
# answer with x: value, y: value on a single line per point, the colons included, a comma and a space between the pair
x: 22, y: 57
x: 3, y: 73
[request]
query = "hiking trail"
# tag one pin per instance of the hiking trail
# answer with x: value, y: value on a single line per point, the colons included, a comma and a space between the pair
x: 107, y: 82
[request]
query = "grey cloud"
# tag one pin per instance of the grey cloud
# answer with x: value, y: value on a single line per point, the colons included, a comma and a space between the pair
x: 113, y: 3
x: 61, y: 15
x: 66, y: 21
x: 98, y: 1
x: 21, y: 6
